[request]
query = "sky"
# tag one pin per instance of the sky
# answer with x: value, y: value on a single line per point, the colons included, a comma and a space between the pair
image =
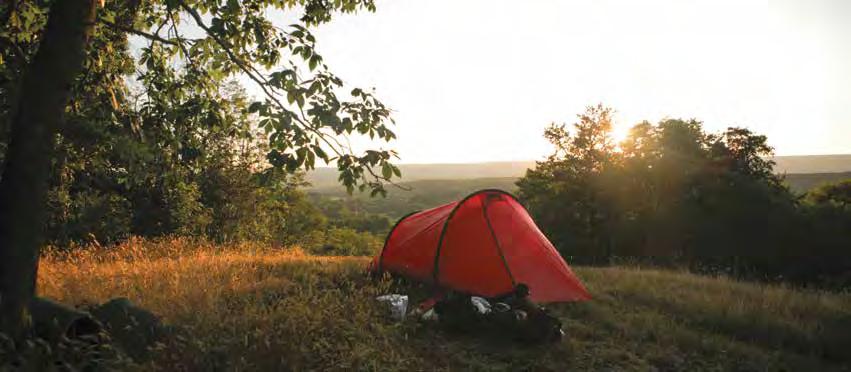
x: 476, y: 81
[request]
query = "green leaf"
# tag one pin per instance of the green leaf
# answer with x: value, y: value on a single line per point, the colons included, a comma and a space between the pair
x: 311, y: 159
x: 301, y: 153
x: 255, y: 106
x: 321, y: 153
x: 292, y: 164
x: 217, y: 25
x: 386, y: 170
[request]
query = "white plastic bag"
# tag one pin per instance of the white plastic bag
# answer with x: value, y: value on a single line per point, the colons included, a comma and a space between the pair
x: 398, y: 305
x: 481, y: 305
x: 429, y: 316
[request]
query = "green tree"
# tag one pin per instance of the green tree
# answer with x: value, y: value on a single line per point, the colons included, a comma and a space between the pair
x: 35, y: 116
x: 563, y: 193
x: 740, y: 213
x: 671, y: 194
x: 69, y: 57
x: 658, y: 164
x: 836, y: 194
x: 827, y: 218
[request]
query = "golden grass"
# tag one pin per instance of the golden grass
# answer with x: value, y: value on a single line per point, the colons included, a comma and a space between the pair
x: 252, y: 307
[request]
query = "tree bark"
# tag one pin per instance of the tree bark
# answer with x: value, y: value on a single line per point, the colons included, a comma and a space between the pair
x: 44, y: 94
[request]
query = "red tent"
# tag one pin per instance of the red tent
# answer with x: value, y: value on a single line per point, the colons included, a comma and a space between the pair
x: 484, y: 244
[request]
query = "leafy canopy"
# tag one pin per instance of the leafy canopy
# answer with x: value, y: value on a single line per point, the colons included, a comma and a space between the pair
x: 191, y: 47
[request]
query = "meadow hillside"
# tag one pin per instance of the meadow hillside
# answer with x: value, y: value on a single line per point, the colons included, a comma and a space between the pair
x: 254, y: 307
x: 416, y: 195
x: 423, y: 194
x: 803, y: 182
x: 326, y: 177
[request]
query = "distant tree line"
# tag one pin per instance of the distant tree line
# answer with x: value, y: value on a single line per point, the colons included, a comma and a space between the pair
x: 672, y: 194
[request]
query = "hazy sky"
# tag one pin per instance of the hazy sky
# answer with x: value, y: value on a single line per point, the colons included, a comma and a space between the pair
x: 479, y: 80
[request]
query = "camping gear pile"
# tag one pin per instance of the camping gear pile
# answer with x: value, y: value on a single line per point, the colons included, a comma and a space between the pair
x: 489, y: 263
x: 513, y: 316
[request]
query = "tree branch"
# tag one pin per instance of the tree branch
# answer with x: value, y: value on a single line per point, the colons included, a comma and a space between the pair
x: 18, y: 54
x: 136, y: 32
x: 252, y: 74
x: 180, y: 44
x: 258, y: 79
x: 11, y: 7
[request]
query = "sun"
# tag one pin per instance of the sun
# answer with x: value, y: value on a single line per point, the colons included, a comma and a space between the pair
x: 619, y: 133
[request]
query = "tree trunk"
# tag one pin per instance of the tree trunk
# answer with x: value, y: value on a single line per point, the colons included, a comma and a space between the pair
x: 44, y: 94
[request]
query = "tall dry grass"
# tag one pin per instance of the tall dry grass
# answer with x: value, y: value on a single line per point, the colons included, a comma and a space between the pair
x: 253, y: 307
x: 246, y: 306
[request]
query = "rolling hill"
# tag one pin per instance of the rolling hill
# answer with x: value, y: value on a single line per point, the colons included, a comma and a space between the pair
x: 423, y: 194
x: 324, y: 177
x: 813, y: 163
x: 803, y: 182
x: 417, y: 195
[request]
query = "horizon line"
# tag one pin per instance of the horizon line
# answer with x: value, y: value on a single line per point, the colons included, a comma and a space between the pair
x: 533, y: 160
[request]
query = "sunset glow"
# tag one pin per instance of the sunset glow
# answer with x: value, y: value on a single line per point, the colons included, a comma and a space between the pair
x: 480, y: 82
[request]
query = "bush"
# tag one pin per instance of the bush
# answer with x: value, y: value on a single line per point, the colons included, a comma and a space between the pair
x: 343, y: 242
x: 87, y: 215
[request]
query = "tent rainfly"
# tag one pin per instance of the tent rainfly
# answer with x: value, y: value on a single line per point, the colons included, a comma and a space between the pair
x: 484, y: 244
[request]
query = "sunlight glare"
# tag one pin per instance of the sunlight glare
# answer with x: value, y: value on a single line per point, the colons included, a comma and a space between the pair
x: 619, y: 133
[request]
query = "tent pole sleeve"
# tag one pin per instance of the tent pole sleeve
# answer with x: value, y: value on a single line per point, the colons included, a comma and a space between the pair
x: 496, y: 241
x: 435, y: 271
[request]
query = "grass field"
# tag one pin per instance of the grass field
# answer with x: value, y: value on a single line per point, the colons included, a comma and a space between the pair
x: 250, y: 307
